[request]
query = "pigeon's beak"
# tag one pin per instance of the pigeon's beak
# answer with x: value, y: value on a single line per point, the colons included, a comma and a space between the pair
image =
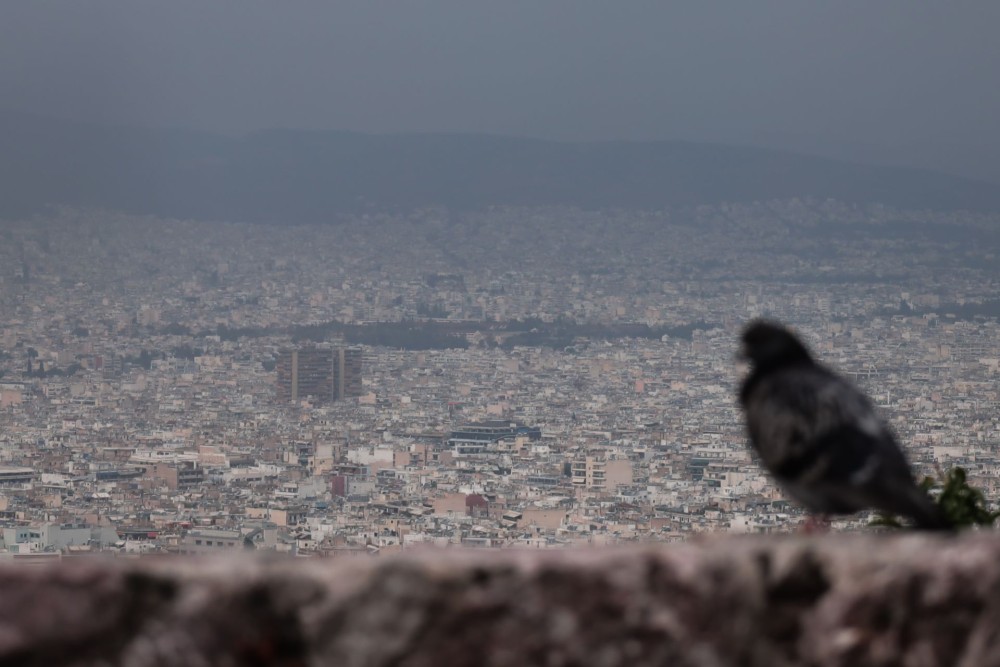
x: 741, y: 355
x: 742, y: 360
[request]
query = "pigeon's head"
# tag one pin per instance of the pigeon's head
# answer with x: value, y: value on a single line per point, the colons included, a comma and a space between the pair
x: 770, y: 345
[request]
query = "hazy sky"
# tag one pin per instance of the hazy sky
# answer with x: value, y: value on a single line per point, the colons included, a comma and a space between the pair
x: 902, y: 82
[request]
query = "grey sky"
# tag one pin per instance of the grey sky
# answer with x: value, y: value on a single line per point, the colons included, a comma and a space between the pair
x: 892, y: 82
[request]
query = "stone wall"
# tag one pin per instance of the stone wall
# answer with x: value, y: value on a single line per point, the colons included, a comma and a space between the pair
x: 833, y: 600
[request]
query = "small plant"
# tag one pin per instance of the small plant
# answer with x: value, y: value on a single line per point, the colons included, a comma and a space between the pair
x: 964, y: 505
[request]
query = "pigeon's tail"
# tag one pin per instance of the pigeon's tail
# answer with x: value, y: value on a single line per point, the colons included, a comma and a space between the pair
x: 926, y: 514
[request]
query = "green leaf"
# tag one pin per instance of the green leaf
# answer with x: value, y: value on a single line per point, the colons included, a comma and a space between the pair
x: 963, y: 504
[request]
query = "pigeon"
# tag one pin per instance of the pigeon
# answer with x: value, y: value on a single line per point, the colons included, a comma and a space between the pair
x: 820, y: 437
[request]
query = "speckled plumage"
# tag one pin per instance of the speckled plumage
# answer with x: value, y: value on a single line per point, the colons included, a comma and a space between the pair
x: 820, y: 437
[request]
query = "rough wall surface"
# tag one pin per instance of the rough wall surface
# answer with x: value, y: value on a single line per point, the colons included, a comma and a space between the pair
x: 834, y: 600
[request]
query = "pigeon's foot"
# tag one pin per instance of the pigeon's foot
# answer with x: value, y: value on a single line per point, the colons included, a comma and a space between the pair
x: 815, y: 524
